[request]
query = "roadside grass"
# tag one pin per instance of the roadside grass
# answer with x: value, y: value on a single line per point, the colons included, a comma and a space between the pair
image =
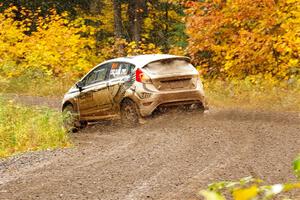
x: 29, y: 129
x: 43, y: 86
x: 245, y: 94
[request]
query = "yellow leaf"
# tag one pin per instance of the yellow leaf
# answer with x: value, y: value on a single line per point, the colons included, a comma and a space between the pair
x: 210, y: 195
x: 245, y: 194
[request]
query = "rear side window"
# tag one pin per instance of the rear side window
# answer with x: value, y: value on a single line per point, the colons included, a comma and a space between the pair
x: 169, y: 66
x: 120, y: 70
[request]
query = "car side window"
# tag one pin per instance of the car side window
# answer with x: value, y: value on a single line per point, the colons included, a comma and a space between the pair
x: 119, y: 69
x: 97, y: 75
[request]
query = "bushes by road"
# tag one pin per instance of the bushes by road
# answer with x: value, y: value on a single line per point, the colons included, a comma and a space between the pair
x: 57, y: 47
x: 237, y: 39
x: 28, y: 129
x: 254, y: 93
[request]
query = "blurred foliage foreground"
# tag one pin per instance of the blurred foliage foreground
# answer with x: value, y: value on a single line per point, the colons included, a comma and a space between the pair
x: 251, y: 189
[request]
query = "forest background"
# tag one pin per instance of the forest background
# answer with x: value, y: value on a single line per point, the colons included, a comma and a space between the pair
x: 246, y: 51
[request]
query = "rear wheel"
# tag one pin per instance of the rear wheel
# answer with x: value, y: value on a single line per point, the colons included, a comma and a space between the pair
x: 198, y: 107
x: 129, y: 113
x: 194, y: 107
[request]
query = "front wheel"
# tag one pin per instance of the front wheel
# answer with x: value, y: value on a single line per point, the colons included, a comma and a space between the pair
x: 129, y: 113
x: 70, y: 119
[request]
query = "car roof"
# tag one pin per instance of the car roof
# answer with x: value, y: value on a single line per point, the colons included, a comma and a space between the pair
x: 143, y: 60
x: 140, y: 60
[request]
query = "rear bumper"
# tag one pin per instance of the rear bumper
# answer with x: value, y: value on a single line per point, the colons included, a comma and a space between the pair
x: 148, y: 105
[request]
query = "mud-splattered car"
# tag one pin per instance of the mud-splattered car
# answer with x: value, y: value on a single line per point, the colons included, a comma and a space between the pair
x: 132, y: 88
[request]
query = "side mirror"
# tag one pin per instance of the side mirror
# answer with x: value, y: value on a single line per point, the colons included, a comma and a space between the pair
x: 80, y: 85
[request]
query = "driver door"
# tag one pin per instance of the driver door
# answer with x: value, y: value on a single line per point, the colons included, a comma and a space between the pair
x: 94, y: 99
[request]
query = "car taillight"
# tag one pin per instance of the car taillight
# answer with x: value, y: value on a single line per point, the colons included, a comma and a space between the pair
x: 142, y: 77
x: 138, y: 75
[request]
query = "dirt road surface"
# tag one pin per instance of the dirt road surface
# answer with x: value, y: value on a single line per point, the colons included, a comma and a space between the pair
x: 172, y: 156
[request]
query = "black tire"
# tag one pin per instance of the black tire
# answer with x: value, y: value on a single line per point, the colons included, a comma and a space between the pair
x: 83, y: 124
x: 70, y: 118
x: 199, y: 107
x: 129, y: 113
x: 186, y: 108
x: 194, y: 107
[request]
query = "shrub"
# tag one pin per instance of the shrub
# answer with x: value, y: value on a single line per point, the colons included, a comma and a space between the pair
x: 240, y: 38
x: 58, y: 47
x: 254, y: 92
x: 28, y: 129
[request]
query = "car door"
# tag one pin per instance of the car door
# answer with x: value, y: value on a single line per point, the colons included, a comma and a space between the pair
x: 101, y: 93
x: 94, y: 97
x: 119, y: 80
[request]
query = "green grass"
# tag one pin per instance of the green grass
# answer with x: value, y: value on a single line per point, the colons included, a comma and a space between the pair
x: 29, y: 129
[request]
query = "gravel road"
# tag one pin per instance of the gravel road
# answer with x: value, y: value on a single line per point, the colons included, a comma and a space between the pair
x: 172, y: 156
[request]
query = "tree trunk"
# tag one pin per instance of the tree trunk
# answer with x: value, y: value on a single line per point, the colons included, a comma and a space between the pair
x: 118, y: 25
x: 166, y: 35
x: 95, y: 6
x: 118, y: 19
x: 131, y: 15
x: 138, y: 20
x: 136, y: 9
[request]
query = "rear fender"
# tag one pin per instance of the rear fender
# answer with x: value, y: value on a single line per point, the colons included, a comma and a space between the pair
x: 130, y: 94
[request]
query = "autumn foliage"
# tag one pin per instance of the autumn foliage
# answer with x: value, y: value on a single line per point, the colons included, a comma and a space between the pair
x: 255, y: 40
x: 237, y: 38
x: 55, y: 45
